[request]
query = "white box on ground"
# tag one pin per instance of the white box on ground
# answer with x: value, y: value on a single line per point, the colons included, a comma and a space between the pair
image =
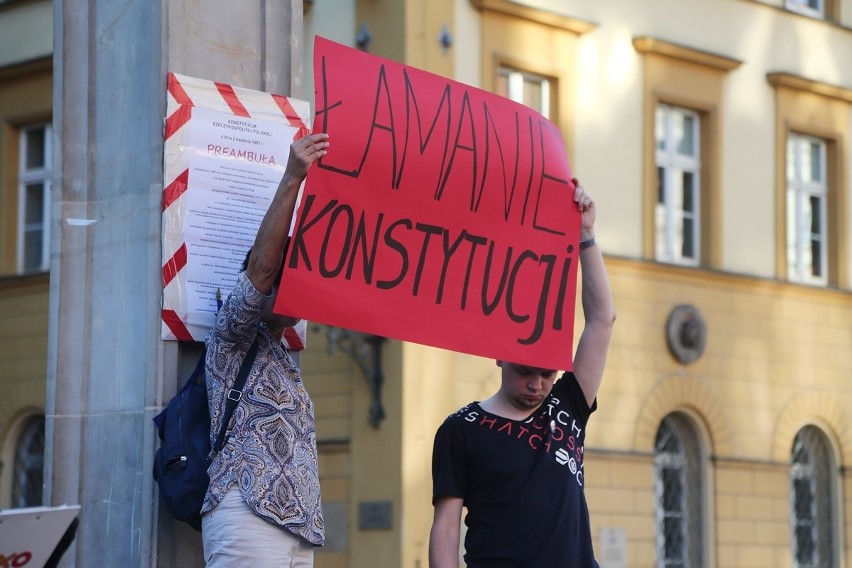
x: 28, y: 536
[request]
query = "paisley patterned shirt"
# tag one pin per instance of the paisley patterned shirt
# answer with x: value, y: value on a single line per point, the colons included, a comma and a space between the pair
x: 271, y: 454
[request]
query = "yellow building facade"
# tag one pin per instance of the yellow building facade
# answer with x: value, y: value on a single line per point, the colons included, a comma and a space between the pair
x: 715, y: 138
x: 26, y: 102
x: 723, y: 435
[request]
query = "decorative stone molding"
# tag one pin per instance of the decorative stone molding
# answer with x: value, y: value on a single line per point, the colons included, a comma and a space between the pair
x: 679, y: 393
x: 365, y: 350
x: 822, y: 409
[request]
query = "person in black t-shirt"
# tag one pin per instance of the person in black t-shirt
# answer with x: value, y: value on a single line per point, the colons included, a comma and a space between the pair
x: 515, y: 460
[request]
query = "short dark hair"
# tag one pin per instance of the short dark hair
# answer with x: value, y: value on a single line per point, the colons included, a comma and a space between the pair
x: 244, y: 267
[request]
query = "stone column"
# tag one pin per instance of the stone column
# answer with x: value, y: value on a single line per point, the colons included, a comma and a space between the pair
x: 109, y: 372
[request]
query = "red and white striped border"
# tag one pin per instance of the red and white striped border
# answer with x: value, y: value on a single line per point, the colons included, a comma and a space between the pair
x: 183, y: 94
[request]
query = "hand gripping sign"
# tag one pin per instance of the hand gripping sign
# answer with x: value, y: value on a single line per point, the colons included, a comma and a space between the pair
x: 442, y: 214
x: 225, y: 152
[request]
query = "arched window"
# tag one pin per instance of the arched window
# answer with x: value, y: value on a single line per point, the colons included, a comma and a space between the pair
x: 679, y: 488
x: 28, y: 473
x: 812, y: 499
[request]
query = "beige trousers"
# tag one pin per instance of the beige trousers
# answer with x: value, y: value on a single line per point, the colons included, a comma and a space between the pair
x: 234, y: 537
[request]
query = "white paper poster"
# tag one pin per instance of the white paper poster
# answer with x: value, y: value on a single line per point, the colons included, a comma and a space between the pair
x: 225, y: 152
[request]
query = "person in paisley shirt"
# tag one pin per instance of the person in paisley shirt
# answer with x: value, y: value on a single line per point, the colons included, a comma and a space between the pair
x: 515, y: 460
x: 263, y: 508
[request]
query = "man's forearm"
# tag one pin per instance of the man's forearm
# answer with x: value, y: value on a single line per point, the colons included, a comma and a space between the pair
x: 443, y: 551
x: 598, y: 305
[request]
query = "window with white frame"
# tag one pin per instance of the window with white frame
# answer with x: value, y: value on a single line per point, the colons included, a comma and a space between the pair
x: 814, y: 8
x: 28, y: 469
x: 807, y: 190
x: 34, y: 199
x: 526, y: 88
x: 812, y: 499
x: 679, y: 489
x: 677, y: 212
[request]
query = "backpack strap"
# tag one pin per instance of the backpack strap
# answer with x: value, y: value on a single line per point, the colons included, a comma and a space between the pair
x: 197, y: 375
x: 233, y: 396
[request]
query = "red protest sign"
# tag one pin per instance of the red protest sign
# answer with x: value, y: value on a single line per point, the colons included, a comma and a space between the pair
x: 442, y: 214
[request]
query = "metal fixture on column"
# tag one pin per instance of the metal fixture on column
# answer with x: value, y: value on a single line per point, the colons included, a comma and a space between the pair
x: 363, y: 37
x: 366, y: 350
x: 445, y: 39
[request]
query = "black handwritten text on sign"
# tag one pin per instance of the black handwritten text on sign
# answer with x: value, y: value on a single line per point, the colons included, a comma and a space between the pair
x: 442, y: 214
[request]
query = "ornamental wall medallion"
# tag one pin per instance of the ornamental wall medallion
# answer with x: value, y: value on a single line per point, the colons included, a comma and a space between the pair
x: 686, y: 333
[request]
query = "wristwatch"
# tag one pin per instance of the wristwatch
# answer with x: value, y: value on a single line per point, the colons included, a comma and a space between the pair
x: 588, y: 243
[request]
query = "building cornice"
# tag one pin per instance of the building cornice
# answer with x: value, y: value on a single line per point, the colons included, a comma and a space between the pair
x: 536, y: 15
x: 26, y: 68
x: 701, y: 275
x: 18, y: 281
x: 781, y: 79
x: 650, y: 45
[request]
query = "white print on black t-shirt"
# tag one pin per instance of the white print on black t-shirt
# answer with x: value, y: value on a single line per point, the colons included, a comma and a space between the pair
x: 553, y: 431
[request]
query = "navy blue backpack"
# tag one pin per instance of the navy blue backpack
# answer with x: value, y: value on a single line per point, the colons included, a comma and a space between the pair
x: 181, y: 461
